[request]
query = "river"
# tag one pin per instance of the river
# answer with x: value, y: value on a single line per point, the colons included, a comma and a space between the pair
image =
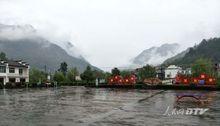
x: 104, y: 107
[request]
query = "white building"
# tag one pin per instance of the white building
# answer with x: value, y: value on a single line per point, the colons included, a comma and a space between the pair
x: 78, y: 78
x: 171, y: 71
x: 13, y: 71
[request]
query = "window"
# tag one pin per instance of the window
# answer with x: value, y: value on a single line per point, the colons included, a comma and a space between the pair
x: 11, y: 70
x: 20, y: 71
x: 12, y: 80
x: 22, y: 80
x: 2, y: 69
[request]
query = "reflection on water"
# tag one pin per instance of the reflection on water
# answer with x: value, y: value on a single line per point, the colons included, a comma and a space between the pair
x: 195, y: 99
x: 90, y: 106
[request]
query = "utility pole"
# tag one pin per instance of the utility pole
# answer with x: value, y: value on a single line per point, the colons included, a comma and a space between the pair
x: 45, y: 72
x: 45, y: 69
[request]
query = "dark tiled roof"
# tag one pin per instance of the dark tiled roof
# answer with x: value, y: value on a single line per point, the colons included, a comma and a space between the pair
x: 2, y: 62
x: 15, y: 63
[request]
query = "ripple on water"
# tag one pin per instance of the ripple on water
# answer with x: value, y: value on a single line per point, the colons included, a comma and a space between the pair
x: 90, y: 106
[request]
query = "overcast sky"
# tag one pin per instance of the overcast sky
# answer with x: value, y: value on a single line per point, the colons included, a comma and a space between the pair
x: 111, y: 32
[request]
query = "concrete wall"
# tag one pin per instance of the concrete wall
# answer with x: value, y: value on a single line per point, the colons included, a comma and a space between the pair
x: 15, y: 75
x: 172, y: 71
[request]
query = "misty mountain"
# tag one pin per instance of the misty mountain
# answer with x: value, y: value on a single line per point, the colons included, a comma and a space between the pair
x: 209, y: 49
x: 178, y: 56
x: 156, y: 55
x: 28, y: 31
x: 71, y: 49
x: 21, y: 42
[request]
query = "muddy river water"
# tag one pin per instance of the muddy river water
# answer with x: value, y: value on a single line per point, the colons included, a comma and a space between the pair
x: 105, y: 107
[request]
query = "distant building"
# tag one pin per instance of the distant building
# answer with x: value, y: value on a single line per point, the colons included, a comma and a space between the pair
x: 13, y: 71
x: 187, y: 71
x: 160, y: 72
x: 171, y: 71
x: 78, y: 78
x: 48, y: 77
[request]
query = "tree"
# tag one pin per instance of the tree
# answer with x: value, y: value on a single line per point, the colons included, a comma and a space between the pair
x: 125, y: 73
x: 206, y: 49
x: 98, y: 74
x: 71, y: 74
x: 37, y: 76
x: 147, y: 71
x: 107, y: 75
x: 59, y: 77
x: 202, y: 65
x: 115, y: 71
x: 88, y: 74
x: 63, y: 68
x: 2, y: 56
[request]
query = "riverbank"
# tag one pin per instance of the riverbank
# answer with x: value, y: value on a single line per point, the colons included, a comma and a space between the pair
x: 136, y: 86
x: 159, y: 87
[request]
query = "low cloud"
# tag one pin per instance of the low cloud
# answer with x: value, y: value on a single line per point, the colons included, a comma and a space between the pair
x: 110, y: 32
x: 16, y: 32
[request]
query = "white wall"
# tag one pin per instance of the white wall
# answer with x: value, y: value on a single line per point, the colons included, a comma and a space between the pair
x: 172, y: 71
x: 15, y: 75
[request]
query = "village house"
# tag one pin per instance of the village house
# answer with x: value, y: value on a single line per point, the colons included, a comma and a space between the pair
x: 160, y: 72
x: 186, y: 71
x: 13, y: 71
x: 78, y: 78
x: 171, y: 71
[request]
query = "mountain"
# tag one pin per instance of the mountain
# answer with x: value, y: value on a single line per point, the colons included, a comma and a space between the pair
x: 22, y: 42
x: 71, y: 49
x: 156, y: 55
x: 178, y: 56
x: 206, y: 49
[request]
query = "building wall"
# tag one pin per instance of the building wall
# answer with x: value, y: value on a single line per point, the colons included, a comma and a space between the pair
x: 78, y: 78
x: 171, y: 73
x: 6, y: 76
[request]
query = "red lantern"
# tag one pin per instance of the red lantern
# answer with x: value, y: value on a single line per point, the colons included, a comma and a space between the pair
x: 202, y: 76
x: 195, y: 81
x: 210, y: 80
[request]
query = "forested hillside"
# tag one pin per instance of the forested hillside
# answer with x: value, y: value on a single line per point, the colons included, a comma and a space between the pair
x: 209, y: 49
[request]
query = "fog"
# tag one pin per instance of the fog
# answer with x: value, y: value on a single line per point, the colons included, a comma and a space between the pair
x: 111, y: 32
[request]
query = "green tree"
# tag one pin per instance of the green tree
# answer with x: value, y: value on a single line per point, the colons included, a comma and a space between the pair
x: 202, y: 65
x: 37, y: 76
x: 99, y: 74
x: 59, y: 77
x: 208, y: 48
x: 147, y: 71
x: 71, y: 74
x: 125, y: 73
x: 63, y: 68
x: 107, y: 75
x: 2, y: 56
x: 88, y: 75
x: 115, y: 71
